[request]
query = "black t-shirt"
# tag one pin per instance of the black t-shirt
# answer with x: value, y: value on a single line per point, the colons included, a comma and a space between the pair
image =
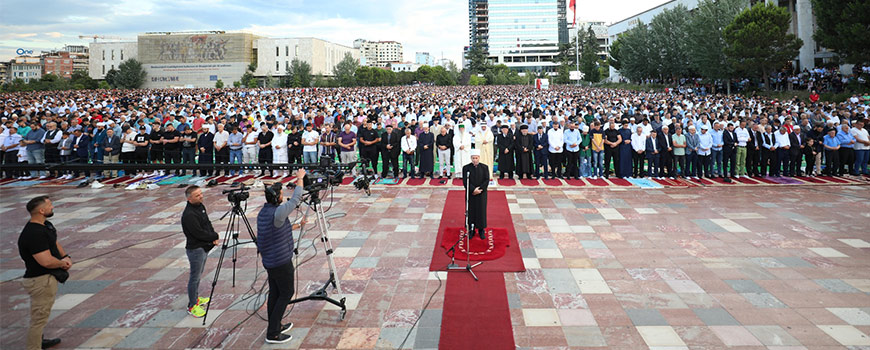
x: 36, y: 238
x: 188, y: 144
x: 155, y: 136
x: 368, y: 135
x: 611, y: 134
x: 264, y: 138
x: 139, y: 138
x: 169, y: 135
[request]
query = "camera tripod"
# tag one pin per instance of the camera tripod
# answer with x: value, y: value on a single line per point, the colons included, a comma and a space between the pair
x: 321, y: 294
x: 469, y: 230
x: 237, y: 216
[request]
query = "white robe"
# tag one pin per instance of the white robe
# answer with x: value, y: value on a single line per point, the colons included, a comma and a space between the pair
x: 279, y: 155
x: 462, y: 156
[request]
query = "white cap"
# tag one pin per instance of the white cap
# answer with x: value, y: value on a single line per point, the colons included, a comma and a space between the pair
x: 475, y: 152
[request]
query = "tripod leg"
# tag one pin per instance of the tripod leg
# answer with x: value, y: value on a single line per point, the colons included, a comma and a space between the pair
x: 217, y: 272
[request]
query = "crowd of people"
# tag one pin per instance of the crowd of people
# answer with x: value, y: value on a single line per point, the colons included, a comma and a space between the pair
x: 520, y: 132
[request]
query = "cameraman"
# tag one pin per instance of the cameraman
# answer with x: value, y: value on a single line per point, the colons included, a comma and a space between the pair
x: 275, y: 243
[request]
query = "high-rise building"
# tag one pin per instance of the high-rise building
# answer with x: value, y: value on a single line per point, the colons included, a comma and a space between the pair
x: 25, y: 68
x: 378, y: 53
x: 58, y: 63
x: 521, y: 34
x: 424, y: 58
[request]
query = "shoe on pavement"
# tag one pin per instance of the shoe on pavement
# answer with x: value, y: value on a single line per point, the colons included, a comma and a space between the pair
x: 42, y: 177
x: 279, y: 339
x: 47, y: 343
x: 196, y: 311
x: 285, y: 329
x: 202, y: 300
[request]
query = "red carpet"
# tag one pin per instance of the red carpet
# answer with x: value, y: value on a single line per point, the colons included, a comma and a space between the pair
x: 620, y: 182
x: 498, y: 216
x: 552, y: 182
x: 116, y: 180
x: 288, y: 179
x: 747, y: 181
x: 476, y: 314
x: 833, y: 179
x: 415, y: 182
x: 223, y: 179
x: 529, y: 182
x: 457, y: 182
x: 575, y: 182
x: 347, y: 180
x: 703, y: 181
x: 437, y: 182
x: 248, y: 177
x: 682, y: 182
x: 721, y: 181
x: 492, y: 248
x: 810, y: 179
x: 507, y: 182
x: 598, y: 182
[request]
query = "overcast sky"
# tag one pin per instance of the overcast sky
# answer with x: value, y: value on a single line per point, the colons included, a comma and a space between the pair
x: 439, y: 27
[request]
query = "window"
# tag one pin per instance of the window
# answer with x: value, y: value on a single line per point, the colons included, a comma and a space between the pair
x: 104, y: 69
x: 122, y: 55
x: 296, y: 51
x: 287, y: 50
x: 277, y: 67
x: 276, y: 51
x: 104, y: 55
x: 113, y: 55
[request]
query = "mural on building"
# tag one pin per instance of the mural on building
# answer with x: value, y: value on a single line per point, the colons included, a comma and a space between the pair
x: 194, y: 48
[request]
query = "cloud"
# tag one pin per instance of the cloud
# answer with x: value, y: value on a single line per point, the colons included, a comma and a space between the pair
x: 54, y: 34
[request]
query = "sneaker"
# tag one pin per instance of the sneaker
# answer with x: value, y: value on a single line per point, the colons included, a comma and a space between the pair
x: 196, y: 311
x: 202, y: 300
x: 279, y: 339
x: 42, y: 177
x: 27, y: 177
x: 162, y: 172
x: 47, y: 343
x: 285, y: 329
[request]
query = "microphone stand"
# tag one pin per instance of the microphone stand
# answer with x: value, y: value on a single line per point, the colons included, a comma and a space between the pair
x: 469, y: 226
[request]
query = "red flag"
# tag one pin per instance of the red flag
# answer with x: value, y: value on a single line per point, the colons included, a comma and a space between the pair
x: 573, y: 6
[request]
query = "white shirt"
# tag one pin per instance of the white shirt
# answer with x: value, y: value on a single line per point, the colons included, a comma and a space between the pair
x: 310, y: 136
x: 556, y: 138
x: 128, y: 147
x: 638, y: 142
x: 860, y: 135
x: 782, y: 140
x: 220, y: 139
x: 409, y: 143
x: 252, y: 137
x: 742, y: 136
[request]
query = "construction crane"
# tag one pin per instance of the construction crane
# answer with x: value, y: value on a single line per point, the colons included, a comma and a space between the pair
x: 109, y: 37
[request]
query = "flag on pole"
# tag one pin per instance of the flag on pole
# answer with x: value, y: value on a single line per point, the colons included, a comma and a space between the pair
x: 573, y: 6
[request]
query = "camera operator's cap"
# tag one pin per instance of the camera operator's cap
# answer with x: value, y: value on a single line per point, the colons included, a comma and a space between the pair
x: 475, y: 152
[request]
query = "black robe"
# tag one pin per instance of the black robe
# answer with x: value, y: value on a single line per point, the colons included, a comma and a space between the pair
x: 474, y: 177
x: 524, y: 157
x: 427, y: 156
x: 505, y: 160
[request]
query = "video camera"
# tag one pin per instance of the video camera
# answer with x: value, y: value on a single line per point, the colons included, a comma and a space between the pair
x: 237, y: 195
x: 327, y: 173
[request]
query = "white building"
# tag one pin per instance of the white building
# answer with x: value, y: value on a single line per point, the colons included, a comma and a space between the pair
x: 25, y: 68
x: 378, y: 53
x: 802, y: 25
x: 601, y: 36
x: 424, y: 58
x: 274, y: 55
x: 109, y: 55
x: 405, y: 67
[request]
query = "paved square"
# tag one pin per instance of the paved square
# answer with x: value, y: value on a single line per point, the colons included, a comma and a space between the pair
x: 671, y: 268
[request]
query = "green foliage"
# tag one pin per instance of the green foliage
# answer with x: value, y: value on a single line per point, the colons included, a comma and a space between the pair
x: 110, y: 77
x: 844, y: 27
x: 80, y: 81
x: 636, y: 56
x: 103, y: 85
x: 502, y: 75
x: 615, y: 54
x: 478, y: 61
x: 298, y: 74
x: 344, y: 71
x: 757, y: 41
x: 567, y: 62
x: 475, y: 80
x: 131, y: 75
x: 589, y: 56
x: 237, y: 84
x: 706, y: 38
x: 219, y: 84
x: 668, y: 40
x: 248, y: 79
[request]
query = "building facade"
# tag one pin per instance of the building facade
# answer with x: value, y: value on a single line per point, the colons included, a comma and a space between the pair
x: 424, y: 58
x: 106, y: 56
x: 274, y: 55
x: 194, y: 59
x: 58, y: 63
x: 25, y: 68
x: 521, y: 34
x: 378, y: 53
x: 601, y: 36
x: 803, y: 24
x: 404, y: 67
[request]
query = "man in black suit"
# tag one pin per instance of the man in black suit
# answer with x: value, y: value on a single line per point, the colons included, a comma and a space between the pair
x: 795, y: 151
x: 666, y: 150
x: 80, y: 150
x: 111, y: 146
x: 729, y: 151
x: 390, y: 147
x: 808, y: 151
x: 753, y: 152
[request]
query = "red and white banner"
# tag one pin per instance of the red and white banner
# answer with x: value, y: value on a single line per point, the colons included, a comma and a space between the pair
x: 572, y: 12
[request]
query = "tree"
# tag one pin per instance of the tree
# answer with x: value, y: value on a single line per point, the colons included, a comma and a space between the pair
x: 478, y: 58
x: 110, y: 77
x: 567, y: 62
x: 299, y: 74
x: 589, y: 56
x: 131, y: 75
x: 668, y: 42
x: 757, y: 41
x: 613, y: 59
x: 219, y: 84
x: 104, y: 85
x: 843, y: 27
x: 80, y: 80
x: 248, y: 79
x: 363, y: 76
x: 635, y: 54
x: 344, y: 70
x: 707, y: 41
